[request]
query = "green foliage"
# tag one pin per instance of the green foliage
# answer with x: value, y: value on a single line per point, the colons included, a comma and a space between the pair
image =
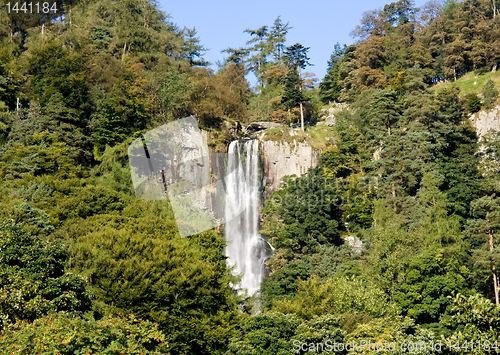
x: 304, y: 214
x: 330, y: 88
x: 331, y: 260
x: 61, y: 334
x: 490, y: 93
x: 397, y: 330
x: 34, y: 216
x: 342, y: 295
x: 430, y: 280
x: 42, y: 157
x: 292, y: 94
x: 278, y: 333
x: 483, y: 229
x: 33, y: 280
x: 473, y: 103
x: 138, y: 263
x: 481, y: 320
x: 35, y: 192
x: 490, y: 158
x: 108, y: 70
x: 283, y: 283
x: 409, y: 260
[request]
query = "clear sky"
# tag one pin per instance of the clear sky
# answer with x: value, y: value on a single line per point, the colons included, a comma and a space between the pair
x: 316, y: 24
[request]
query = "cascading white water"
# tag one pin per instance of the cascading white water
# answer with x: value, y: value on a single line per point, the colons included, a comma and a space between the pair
x: 246, y: 249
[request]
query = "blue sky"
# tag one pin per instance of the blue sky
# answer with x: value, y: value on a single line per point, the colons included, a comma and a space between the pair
x: 316, y: 24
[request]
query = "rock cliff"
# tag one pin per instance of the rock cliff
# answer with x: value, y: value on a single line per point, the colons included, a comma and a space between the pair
x: 483, y: 120
x: 283, y: 158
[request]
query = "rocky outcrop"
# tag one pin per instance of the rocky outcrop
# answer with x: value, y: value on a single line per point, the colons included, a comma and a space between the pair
x: 328, y: 114
x: 483, y: 121
x: 233, y: 129
x: 283, y: 158
x: 255, y: 127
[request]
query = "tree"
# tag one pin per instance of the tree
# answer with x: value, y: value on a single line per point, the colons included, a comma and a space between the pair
x: 400, y: 13
x: 236, y: 55
x: 330, y: 88
x: 473, y: 103
x: 193, y: 49
x: 485, y: 225
x: 481, y: 319
x: 490, y: 94
x: 275, y: 333
x: 457, y: 159
x: 296, y: 59
x: 372, y: 24
x: 490, y: 158
x: 303, y: 215
x: 370, y: 61
x: 277, y: 38
x: 261, y: 51
x: 138, y: 264
x: 292, y: 94
x: 33, y: 280
x: 430, y: 280
x: 63, y: 334
x: 385, y: 112
x: 340, y: 295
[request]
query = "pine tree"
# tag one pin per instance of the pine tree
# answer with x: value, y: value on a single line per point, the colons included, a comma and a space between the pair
x: 277, y: 39
x: 485, y: 225
x: 330, y: 88
x: 490, y: 93
x: 260, y: 50
x: 296, y: 59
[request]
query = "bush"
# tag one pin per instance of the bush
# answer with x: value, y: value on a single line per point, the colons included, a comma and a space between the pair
x: 490, y: 93
x: 60, y: 334
x: 473, y: 103
x: 33, y: 281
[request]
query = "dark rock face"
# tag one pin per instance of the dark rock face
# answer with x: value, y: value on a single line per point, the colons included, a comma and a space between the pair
x: 255, y: 127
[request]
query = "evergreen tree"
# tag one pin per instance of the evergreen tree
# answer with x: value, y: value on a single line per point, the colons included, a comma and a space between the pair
x: 277, y: 38
x: 484, y: 226
x: 330, y: 88
x: 36, y: 271
x: 296, y: 59
x: 260, y: 50
x: 490, y: 94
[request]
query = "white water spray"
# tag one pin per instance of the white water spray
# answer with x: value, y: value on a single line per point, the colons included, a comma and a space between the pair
x: 246, y: 249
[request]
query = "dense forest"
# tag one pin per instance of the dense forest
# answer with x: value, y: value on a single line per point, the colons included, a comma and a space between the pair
x: 86, y: 267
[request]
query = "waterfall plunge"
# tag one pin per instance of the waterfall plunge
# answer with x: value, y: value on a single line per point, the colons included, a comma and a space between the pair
x: 246, y: 249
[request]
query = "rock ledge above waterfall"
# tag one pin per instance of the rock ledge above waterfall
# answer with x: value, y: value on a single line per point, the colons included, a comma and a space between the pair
x: 255, y: 127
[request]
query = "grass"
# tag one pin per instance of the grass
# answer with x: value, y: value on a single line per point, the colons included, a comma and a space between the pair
x: 320, y: 136
x: 315, y: 136
x: 466, y: 82
x: 283, y: 135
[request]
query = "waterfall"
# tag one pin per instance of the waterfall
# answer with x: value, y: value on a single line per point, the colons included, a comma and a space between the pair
x: 246, y: 249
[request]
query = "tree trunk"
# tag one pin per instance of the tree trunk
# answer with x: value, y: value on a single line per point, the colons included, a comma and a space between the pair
x: 301, y: 108
x: 495, y: 282
x: 124, y: 48
x: 260, y: 80
x: 494, y: 13
x: 301, y: 117
x: 394, y: 197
